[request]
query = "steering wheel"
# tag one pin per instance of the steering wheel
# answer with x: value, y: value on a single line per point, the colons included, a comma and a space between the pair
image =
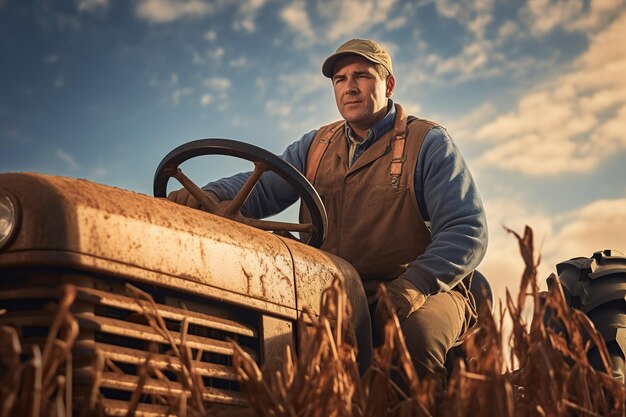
x: 263, y: 161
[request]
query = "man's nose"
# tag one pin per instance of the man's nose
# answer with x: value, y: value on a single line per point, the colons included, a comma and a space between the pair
x: 351, y: 87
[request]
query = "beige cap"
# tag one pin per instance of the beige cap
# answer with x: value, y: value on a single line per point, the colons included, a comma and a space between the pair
x: 368, y: 49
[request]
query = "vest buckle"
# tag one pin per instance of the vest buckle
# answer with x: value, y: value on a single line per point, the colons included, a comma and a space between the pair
x: 397, y: 160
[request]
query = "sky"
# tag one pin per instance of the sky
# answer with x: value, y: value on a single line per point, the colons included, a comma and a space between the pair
x: 532, y: 91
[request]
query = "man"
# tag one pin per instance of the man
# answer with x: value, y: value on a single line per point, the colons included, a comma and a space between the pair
x: 403, y: 208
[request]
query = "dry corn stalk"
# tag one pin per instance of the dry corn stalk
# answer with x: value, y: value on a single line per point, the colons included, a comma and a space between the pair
x: 41, y: 386
x: 322, y: 381
x: 551, y: 377
x: 554, y: 377
x: 190, y: 403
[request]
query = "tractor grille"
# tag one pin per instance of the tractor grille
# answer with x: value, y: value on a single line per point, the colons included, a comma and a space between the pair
x: 115, y: 333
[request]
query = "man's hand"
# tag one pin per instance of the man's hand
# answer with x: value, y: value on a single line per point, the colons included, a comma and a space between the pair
x: 183, y: 197
x: 405, y: 298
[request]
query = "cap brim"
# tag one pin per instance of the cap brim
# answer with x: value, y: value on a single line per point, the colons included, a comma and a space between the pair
x: 329, y: 64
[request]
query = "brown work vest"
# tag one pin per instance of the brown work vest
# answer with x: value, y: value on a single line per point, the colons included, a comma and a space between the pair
x: 373, y: 218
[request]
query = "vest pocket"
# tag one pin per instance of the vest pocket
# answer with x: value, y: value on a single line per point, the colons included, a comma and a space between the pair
x: 384, y: 196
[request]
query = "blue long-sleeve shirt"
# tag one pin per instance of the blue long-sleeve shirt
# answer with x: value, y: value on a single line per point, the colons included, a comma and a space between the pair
x: 447, y: 198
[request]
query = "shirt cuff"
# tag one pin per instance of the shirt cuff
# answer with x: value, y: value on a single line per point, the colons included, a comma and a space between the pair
x: 423, y: 280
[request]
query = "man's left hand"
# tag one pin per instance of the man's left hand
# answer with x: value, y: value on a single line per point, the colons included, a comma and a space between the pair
x: 405, y: 298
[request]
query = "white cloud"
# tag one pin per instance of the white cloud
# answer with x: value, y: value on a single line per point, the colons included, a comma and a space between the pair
x: 179, y: 93
x: 59, y: 82
x: 474, y: 57
x: 51, y: 59
x: 296, y: 17
x: 164, y: 11
x: 297, y: 85
x: 503, y: 265
x: 597, y: 226
x: 335, y: 20
x: 216, y: 54
x: 206, y: 99
x: 463, y: 128
x: 545, y: 16
x: 411, y: 107
x: 396, y: 23
x: 197, y: 58
x: 573, y: 122
x: 349, y: 17
x: 261, y: 85
x: 246, y: 15
x: 210, y: 35
x: 66, y: 158
x: 92, y: 5
x: 475, y: 15
x: 99, y: 172
x: 277, y: 108
x: 239, y: 62
x: 220, y: 86
x: 217, y: 83
x: 299, y: 93
x: 507, y: 30
x: 478, y: 53
x: 580, y: 232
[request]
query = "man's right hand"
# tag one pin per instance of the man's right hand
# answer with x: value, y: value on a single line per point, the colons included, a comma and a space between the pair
x: 404, y: 298
x: 184, y: 198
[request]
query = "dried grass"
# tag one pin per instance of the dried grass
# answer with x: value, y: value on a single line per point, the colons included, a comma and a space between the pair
x: 41, y: 386
x: 552, y: 375
x: 542, y: 373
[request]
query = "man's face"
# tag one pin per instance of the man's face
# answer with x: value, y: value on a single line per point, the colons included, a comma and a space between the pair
x: 360, y: 92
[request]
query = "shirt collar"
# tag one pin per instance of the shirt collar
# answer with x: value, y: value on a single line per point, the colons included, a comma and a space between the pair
x: 379, y: 129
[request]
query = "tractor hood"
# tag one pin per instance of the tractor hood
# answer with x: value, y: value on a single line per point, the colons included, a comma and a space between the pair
x: 75, y: 223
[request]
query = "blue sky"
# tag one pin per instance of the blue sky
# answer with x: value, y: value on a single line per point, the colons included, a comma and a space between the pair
x: 534, y: 93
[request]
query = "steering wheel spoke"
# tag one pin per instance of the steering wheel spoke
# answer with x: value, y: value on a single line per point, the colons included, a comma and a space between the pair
x: 237, y: 203
x: 276, y: 226
x: 194, y: 190
x: 263, y: 161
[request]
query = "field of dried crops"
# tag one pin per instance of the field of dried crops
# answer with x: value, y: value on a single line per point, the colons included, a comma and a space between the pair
x: 537, y: 372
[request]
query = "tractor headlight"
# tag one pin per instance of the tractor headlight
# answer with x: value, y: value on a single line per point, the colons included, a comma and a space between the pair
x: 9, y: 217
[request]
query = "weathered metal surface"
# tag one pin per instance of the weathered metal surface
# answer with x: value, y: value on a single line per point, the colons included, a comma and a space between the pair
x: 116, y: 408
x: 69, y: 220
x: 102, y: 234
x: 28, y: 318
x: 176, y: 314
x: 28, y: 292
x: 314, y: 271
x: 128, y: 383
x: 132, y: 273
x: 140, y: 331
x: 121, y: 328
x: 136, y: 357
x: 277, y: 335
x: 113, y: 327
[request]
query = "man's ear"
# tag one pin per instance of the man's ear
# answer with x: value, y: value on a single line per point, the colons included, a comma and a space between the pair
x: 391, y: 85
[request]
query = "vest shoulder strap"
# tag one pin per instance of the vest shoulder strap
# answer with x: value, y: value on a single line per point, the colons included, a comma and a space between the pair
x: 397, y: 149
x: 318, y: 148
x: 325, y: 135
